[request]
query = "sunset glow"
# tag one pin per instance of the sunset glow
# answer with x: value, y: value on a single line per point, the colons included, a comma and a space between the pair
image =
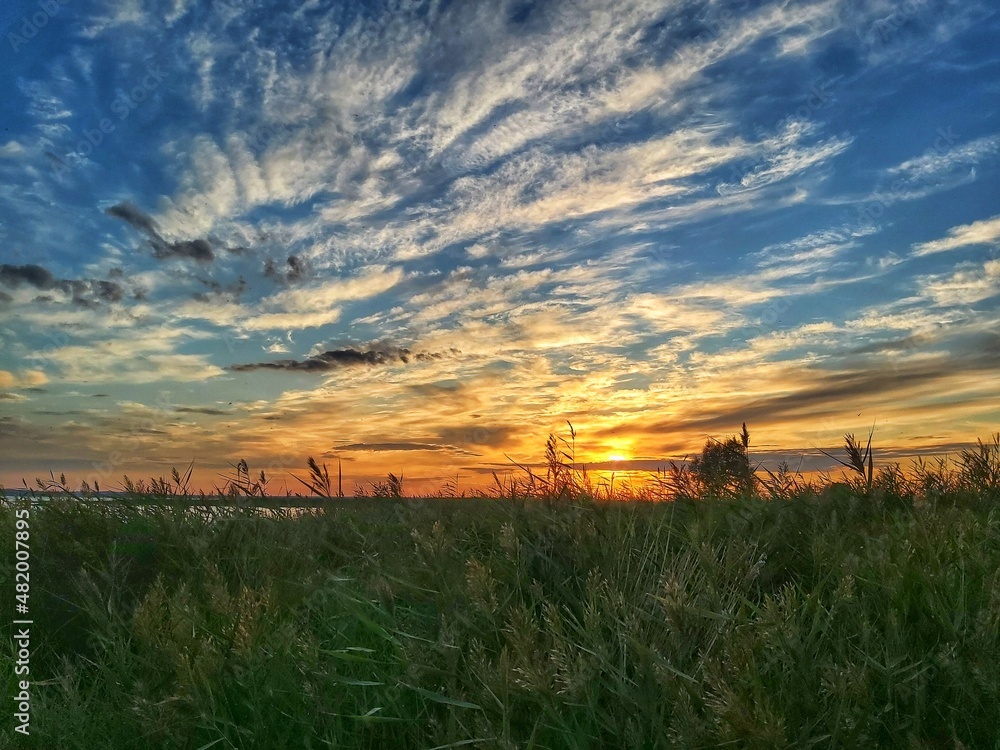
x: 420, y: 238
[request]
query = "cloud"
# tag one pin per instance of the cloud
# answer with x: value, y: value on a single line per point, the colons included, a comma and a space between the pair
x: 31, y: 274
x: 983, y: 232
x: 201, y: 410
x: 569, y: 107
x: 337, y: 358
x: 229, y: 293
x: 276, y: 346
x: 905, y: 344
x: 109, y: 291
x: 392, y: 447
x: 947, y: 156
x: 295, y: 270
x: 22, y: 379
x: 679, y: 312
x: 11, y: 150
x: 969, y: 284
x: 478, y: 434
x: 303, y: 306
x: 788, y: 157
x: 197, y: 249
x: 817, y: 252
x: 822, y: 394
x: 135, y: 217
x: 944, y: 166
x: 83, y: 292
x: 137, y: 355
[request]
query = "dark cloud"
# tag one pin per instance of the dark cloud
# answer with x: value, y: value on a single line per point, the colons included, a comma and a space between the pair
x: 83, y: 292
x: 336, y: 358
x: 200, y: 410
x: 135, y: 217
x: 230, y: 292
x: 493, y: 436
x: 55, y: 159
x: 30, y: 274
x: 895, y: 345
x: 5, y: 298
x: 108, y: 291
x: 429, y: 356
x: 384, y: 447
x: 199, y: 249
x: 76, y: 287
x: 295, y: 270
x: 495, y: 468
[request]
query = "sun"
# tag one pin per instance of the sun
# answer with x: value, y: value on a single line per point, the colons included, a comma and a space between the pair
x: 618, y: 451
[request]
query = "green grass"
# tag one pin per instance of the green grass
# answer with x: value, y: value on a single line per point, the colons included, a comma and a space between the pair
x: 826, y: 619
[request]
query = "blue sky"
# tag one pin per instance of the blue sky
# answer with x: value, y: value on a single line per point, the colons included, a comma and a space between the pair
x: 421, y: 236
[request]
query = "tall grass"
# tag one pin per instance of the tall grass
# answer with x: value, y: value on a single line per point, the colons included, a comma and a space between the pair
x: 783, y: 617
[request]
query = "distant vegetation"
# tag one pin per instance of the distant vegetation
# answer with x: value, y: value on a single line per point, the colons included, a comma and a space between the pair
x: 754, y: 610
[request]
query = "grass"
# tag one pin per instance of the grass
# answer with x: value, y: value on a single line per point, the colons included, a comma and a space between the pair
x: 865, y: 614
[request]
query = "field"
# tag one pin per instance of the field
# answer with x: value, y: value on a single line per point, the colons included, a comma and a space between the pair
x: 779, y: 615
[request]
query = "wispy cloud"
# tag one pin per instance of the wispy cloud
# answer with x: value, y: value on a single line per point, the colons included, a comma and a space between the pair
x: 985, y: 232
x: 972, y: 283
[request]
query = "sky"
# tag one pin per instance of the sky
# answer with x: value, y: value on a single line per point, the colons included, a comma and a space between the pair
x: 419, y: 237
